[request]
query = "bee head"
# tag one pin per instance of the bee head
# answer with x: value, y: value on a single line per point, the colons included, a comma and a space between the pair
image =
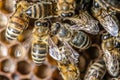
x: 66, y: 8
x: 42, y: 25
x: 106, y: 36
x: 55, y: 28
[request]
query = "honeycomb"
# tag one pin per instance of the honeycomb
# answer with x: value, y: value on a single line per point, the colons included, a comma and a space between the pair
x: 15, y: 57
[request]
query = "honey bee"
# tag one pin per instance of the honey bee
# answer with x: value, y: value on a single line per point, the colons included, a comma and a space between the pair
x: 18, y: 22
x: 77, y: 39
x: 42, y: 9
x: 67, y: 59
x: 108, y: 4
x: 84, y: 22
x: 66, y: 8
x: 69, y: 71
x: 106, y: 18
x: 39, y: 48
x: 96, y: 71
x: 111, y: 56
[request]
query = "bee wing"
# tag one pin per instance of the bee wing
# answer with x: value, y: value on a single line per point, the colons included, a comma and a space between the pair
x: 54, y: 50
x: 110, y: 25
x: 74, y: 55
x: 90, y: 26
x: 111, y: 62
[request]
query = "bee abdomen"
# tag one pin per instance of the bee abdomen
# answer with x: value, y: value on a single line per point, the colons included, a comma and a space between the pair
x: 96, y: 71
x: 40, y: 10
x: 15, y: 27
x: 39, y: 52
x: 81, y: 40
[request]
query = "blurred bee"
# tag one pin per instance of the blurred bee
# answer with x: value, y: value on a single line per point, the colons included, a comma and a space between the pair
x: 66, y: 8
x: 106, y: 18
x: 42, y: 9
x: 18, y: 22
x: 84, y: 22
x: 111, y: 56
x: 110, y: 4
x: 39, y: 43
x: 67, y: 59
x: 77, y: 39
x: 96, y: 71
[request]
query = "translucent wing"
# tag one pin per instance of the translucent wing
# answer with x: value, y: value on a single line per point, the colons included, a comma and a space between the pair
x: 111, y: 59
x: 110, y: 25
x: 84, y: 22
x: 73, y: 55
x: 54, y: 50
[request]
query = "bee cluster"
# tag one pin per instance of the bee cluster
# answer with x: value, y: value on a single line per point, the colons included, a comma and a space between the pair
x: 59, y: 40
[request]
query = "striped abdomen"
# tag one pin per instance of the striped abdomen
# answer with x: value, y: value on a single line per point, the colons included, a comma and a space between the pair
x: 96, y: 71
x: 39, y: 51
x: 81, y: 40
x: 40, y: 10
x: 15, y: 27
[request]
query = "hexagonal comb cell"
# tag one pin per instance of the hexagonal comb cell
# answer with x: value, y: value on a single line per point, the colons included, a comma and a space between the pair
x: 3, y: 51
x: 15, y: 76
x: 2, y: 77
x: 17, y: 51
x: 42, y: 71
x: 2, y: 37
x: 23, y: 67
x: 7, y: 6
x: 7, y: 66
x: 3, y: 20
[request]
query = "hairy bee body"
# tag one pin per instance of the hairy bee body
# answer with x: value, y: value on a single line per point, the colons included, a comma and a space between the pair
x: 111, y: 54
x: 84, y: 22
x: 66, y: 8
x: 77, y: 39
x: 110, y: 4
x: 67, y: 59
x: 39, y: 48
x: 96, y: 71
x: 69, y: 71
x: 18, y: 22
x: 41, y: 10
x: 106, y: 18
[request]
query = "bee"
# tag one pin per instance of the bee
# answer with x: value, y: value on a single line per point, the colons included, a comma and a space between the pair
x: 96, y: 71
x: 18, y: 22
x: 69, y: 71
x: 110, y: 47
x: 42, y: 9
x: 67, y: 59
x: 77, y: 39
x: 106, y: 18
x: 39, y: 48
x: 106, y: 4
x: 66, y: 8
x: 84, y: 22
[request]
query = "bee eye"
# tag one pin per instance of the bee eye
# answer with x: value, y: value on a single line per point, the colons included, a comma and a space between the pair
x: 117, y: 44
x: 57, y: 25
x: 96, y: 5
x: 45, y: 24
x: 64, y: 14
x: 38, y: 23
x: 70, y: 14
x: 105, y: 36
